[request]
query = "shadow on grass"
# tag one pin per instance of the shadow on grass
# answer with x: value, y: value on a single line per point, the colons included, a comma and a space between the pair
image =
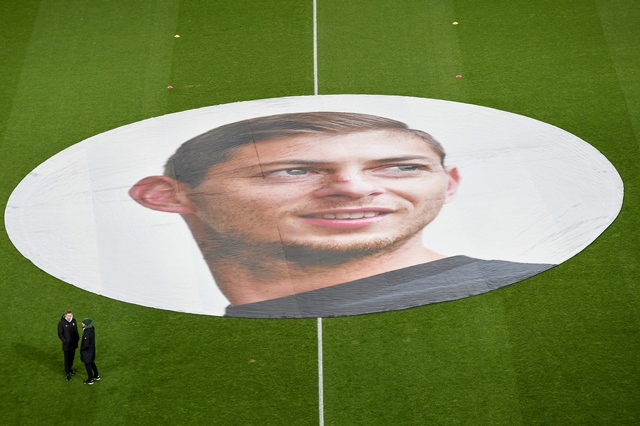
x: 47, y: 359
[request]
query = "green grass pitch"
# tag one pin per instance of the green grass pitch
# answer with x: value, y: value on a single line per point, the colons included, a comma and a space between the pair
x: 561, y: 348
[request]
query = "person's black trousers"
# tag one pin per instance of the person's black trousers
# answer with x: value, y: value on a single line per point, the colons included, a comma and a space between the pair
x: 92, y: 370
x: 69, y: 355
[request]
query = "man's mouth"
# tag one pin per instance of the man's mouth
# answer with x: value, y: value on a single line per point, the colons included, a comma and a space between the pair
x: 347, y: 218
x: 352, y: 215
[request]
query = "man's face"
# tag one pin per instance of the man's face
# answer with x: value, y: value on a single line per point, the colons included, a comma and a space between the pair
x: 69, y: 317
x: 359, y: 191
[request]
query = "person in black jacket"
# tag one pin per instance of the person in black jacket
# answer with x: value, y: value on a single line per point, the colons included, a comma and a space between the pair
x: 88, y: 351
x: 68, y: 334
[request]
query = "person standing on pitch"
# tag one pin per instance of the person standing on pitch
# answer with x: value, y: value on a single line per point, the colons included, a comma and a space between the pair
x: 68, y: 334
x: 88, y: 351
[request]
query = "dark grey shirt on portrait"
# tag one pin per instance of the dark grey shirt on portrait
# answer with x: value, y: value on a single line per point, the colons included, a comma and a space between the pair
x: 450, y: 278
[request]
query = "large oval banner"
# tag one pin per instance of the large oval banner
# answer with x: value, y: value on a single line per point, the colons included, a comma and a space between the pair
x: 313, y: 206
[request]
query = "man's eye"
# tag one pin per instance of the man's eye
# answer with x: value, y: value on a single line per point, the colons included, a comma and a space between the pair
x: 288, y: 172
x: 407, y: 168
x: 296, y: 172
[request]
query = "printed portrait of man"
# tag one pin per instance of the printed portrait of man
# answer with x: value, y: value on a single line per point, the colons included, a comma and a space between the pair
x: 321, y: 214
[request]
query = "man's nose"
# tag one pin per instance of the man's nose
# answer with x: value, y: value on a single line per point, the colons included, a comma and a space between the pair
x: 352, y: 185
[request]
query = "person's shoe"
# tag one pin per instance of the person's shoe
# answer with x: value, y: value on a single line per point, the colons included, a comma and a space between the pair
x: 73, y: 372
x: 88, y: 382
x: 96, y: 378
x: 68, y: 377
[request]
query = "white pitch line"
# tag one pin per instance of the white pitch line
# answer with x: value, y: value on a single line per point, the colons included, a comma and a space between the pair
x: 315, y: 48
x: 315, y: 92
x: 320, y: 376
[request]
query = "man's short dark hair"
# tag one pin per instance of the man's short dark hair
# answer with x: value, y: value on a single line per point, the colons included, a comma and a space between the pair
x: 194, y: 158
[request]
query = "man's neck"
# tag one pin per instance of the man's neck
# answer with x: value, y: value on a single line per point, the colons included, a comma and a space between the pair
x: 257, y: 277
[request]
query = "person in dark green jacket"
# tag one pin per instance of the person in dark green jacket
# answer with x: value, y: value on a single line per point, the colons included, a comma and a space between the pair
x: 88, y: 351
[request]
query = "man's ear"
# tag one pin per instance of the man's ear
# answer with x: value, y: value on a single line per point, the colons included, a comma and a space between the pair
x: 162, y: 193
x: 453, y: 182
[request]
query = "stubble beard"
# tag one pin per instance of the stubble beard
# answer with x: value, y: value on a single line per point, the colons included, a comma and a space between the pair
x: 332, y: 254
x: 230, y: 245
x: 236, y: 247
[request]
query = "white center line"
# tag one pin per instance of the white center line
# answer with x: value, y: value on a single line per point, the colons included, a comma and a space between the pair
x: 315, y: 48
x: 315, y: 92
x: 320, y: 378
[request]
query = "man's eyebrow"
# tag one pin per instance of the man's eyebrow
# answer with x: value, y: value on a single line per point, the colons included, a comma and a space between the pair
x: 258, y: 167
x: 293, y: 162
x: 296, y: 162
x: 408, y: 158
